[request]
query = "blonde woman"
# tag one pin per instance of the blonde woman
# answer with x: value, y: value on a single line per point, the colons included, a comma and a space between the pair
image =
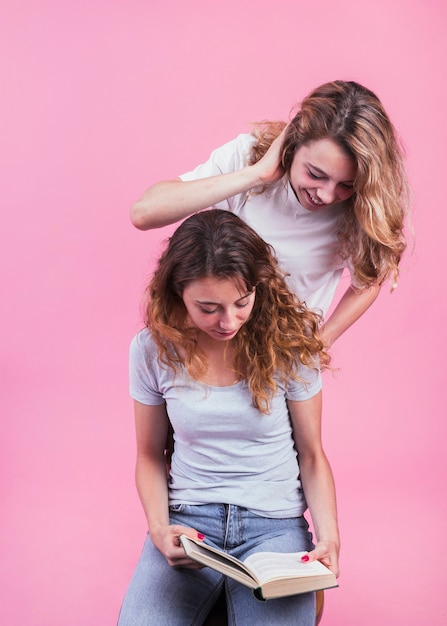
x: 230, y: 358
x: 327, y: 190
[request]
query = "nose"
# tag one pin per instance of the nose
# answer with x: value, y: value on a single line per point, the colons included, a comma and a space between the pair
x: 227, y: 320
x: 327, y: 193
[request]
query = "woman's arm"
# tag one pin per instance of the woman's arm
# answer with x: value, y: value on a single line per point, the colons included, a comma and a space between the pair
x: 317, y: 480
x: 151, y: 425
x: 349, y: 309
x: 169, y: 201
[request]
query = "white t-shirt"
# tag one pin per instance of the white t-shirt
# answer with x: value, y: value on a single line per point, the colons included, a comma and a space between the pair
x: 305, y: 242
x: 226, y: 451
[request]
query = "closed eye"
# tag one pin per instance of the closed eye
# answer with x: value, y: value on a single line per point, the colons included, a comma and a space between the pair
x: 239, y: 305
x: 243, y: 302
x: 314, y: 176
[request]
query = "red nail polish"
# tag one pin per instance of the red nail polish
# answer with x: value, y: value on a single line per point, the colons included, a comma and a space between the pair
x: 200, y: 536
x: 305, y: 558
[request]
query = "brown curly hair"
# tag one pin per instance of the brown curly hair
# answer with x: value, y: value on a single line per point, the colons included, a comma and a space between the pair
x: 280, y: 332
x: 371, y: 230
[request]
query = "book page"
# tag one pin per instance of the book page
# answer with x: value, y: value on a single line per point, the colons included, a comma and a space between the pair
x: 257, y: 569
x: 270, y: 565
x: 219, y: 560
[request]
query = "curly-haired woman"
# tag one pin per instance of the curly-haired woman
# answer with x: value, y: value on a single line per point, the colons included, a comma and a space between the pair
x: 231, y: 359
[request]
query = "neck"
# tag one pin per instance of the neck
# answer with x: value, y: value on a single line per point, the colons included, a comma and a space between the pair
x: 220, y: 361
x: 214, y: 347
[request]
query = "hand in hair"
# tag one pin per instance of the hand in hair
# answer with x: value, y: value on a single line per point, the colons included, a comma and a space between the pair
x: 269, y: 168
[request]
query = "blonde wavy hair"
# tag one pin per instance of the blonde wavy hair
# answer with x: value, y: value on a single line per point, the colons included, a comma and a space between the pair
x: 280, y: 333
x: 371, y: 231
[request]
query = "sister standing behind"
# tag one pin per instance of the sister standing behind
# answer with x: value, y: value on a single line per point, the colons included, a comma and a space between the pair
x: 230, y: 358
x: 327, y: 191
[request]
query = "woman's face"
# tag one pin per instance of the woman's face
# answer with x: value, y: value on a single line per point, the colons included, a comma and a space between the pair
x: 322, y: 174
x: 218, y: 308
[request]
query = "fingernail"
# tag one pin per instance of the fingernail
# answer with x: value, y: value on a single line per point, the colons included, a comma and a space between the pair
x: 305, y: 558
x: 200, y: 536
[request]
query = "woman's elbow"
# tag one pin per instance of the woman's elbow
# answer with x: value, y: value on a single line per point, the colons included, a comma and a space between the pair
x: 140, y: 215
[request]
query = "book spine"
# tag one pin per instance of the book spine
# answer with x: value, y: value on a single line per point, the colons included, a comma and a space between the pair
x: 257, y: 592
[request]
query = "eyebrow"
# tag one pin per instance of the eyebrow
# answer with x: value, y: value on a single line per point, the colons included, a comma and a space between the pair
x: 320, y: 171
x: 208, y: 302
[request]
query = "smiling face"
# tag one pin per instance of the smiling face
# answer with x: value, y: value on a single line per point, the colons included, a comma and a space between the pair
x: 218, y: 307
x: 322, y: 174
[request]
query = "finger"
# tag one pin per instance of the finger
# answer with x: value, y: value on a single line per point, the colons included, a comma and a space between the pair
x: 319, y: 554
x: 178, y: 558
x: 178, y: 530
x: 309, y: 557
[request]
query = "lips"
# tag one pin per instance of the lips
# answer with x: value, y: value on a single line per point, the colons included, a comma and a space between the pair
x: 313, y: 200
x: 224, y: 334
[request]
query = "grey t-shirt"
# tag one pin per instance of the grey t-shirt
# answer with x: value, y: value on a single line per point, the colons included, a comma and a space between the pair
x: 226, y: 450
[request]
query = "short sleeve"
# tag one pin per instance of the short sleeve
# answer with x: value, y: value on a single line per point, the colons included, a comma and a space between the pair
x: 230, y: 157
x: 309, y: 385
x: 143, y: 369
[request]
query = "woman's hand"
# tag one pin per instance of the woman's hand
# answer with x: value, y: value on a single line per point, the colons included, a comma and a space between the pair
x: 269, y: 168
x: 167, y: 540
x: 327, y: 553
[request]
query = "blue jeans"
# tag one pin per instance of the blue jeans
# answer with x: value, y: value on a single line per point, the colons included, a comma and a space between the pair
x: 160, y: 595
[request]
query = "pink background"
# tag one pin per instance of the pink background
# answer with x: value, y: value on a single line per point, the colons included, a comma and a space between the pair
x: 101, y: 99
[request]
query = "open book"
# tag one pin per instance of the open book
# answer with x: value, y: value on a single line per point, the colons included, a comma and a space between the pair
x: 269, y: 574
